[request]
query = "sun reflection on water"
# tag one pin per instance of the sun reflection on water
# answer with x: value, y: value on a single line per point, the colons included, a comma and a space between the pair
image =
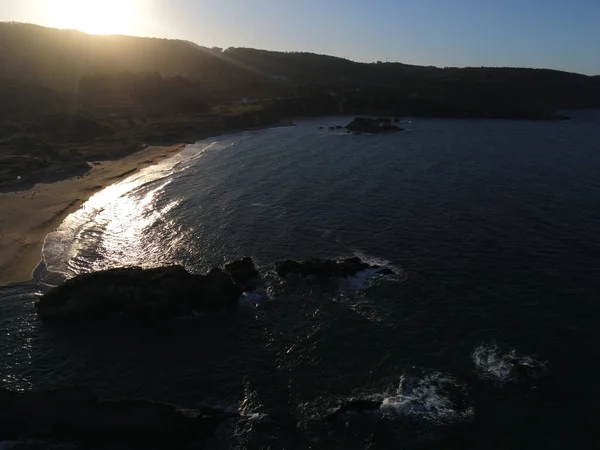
x: 126, y: 222
x: 114, y: 227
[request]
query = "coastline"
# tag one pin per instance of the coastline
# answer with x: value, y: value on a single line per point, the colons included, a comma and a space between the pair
x: 29, y: 215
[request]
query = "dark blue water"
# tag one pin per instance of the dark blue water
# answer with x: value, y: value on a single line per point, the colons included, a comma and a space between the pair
x: 492, y: 227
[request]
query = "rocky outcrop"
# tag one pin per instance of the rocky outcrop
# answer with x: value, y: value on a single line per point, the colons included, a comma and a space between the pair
x: 76, y: 416
x: 369, y: 125
x: 127, y: 292
x: 217, y: 291
x: 135, y: 293
x: 244, y: 273
x: 325, y: 268
x: 139, y: 294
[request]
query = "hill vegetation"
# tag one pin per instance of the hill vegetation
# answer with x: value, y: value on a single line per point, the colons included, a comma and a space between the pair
x: 66, y: 96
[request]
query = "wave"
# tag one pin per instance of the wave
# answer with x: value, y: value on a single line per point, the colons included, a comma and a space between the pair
x: 120, y: 210
x: 193, y: 152
x: 101, y: 217
x: 430, y: 398
x: 504, y: 367
x: 364, y: 279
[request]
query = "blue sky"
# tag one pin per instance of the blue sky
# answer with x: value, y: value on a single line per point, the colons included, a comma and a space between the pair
x: 554, y: 34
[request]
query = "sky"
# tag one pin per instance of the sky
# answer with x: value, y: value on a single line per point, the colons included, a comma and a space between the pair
x: 556, y: 34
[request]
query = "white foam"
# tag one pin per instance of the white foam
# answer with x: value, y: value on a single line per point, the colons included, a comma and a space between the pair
x: 363, y: 279
x: 350, y: 290
x: 106, y: 207
x: 374, y: 260
x: 358, y: 282
x: 257, y: 417
x: 492, y: 363
x: 427, y: 399
x: 253, y: 298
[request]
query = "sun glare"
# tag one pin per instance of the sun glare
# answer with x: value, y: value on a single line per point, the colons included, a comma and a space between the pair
x: 92, y: 16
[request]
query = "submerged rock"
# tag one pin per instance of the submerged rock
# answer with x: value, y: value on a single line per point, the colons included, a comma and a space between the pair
x: 135, y: 293
x: 369, y: 125
x: 357, y: 406
x: 76, y: 416
x: 324, y: 268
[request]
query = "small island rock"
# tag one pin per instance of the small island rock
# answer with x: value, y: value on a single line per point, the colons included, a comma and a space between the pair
x: 369, y: 125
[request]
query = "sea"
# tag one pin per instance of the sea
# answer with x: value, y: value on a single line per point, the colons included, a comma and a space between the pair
x: 486, y: 337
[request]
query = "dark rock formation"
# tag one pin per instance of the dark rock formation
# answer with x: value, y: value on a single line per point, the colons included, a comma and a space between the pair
x: 167, y: 292
x: 217, y: 291
x: 243, y: 273
x: 77, y: 416
x: 368, y: 125
x: 321, y: 128
x: 331, y: 128
x: 338, y: 127
x: 324, y: 268
x: 134, y: 293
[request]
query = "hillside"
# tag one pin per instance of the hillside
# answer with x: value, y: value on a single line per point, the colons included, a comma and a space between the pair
x: 67, y: 96
x: 58, y: 58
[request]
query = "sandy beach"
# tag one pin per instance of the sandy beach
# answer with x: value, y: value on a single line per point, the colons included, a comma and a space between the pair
x: 27, y: 216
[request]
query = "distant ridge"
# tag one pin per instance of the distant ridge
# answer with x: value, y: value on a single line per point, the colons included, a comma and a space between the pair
x: 58, y: 58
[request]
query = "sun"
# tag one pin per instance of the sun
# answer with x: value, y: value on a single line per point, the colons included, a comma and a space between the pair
x: 92, y: 16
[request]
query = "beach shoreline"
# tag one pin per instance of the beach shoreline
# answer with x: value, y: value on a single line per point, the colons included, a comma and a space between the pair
x: 29, y: 215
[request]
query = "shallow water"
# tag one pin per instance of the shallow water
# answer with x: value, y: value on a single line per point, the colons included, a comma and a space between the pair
x: 487, y: 337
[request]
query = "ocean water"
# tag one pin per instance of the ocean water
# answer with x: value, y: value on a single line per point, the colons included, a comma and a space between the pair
x: 487, y: 337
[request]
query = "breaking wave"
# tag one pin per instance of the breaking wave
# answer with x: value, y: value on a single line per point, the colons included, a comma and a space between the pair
x: 505, y: 367
x: 434, y: 398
